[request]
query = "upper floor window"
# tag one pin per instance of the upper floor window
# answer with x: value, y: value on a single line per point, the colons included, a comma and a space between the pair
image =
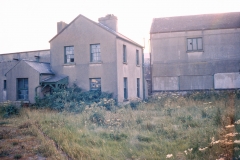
x: 95, y: 53
x: 137, y: 57
x: 124, y: 54
x: 95, y: 83
x: 194, y: 44
x: 69, y: 54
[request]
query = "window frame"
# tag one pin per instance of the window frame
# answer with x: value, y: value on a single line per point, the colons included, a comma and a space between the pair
x: 138, y: 87
x: 90, y: 84
x: 137, y: 58
x: 125, y: 88
x: 198, y: 48
x: 23, y: 89
x: 65, y: 55
x: 97, y: 53
x: 124, y: 53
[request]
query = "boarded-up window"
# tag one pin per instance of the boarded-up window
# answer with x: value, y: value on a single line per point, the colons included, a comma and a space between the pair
x: 137, y: 57
x: 194, y: 44
x: 124, y: 54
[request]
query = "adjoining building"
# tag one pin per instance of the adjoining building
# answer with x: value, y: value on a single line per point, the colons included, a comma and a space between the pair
x: 197, y: 52
x: 94, y: 56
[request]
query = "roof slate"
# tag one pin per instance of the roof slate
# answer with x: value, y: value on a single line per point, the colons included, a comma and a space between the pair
x: 43, y: 68
x: 55, y: 78
x: 196, y: 22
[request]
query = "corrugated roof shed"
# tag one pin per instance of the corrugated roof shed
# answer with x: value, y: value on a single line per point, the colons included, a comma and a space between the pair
x: 196, y: 22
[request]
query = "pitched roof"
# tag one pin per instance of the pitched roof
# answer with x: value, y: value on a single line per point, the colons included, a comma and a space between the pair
x: 41, y: 67
x: 196, y: 22
x: 54, y: 78
x: 117, y: 34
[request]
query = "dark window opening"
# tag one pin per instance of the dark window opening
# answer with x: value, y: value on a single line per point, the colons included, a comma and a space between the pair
x: 138, y: 87
x: 125, y: 88
x: 22, y: 85
x: 124, y: 54
x: 5, y: 84
x: 95, y: 83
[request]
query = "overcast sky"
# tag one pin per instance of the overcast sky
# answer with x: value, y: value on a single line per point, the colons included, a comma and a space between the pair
x: 29, y: 24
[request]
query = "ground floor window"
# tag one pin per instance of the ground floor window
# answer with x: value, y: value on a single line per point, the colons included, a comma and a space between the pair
x: 22, y: 88
x: 125, y: 87
x: 95, y: 84
x: 5, y: 84
x: 138, y: 87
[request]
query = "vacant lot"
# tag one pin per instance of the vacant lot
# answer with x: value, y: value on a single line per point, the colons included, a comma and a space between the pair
x: 168, y: 126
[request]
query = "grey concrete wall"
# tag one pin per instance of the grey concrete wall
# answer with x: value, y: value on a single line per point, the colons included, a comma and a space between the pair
x: 195, y: 82
x: 221, y: 54
x: 165, y: 83
x: 7, y: 62
x: 80, y: 34
x: 129, y: 70
x: 22, y: 70
x: 227, y: 80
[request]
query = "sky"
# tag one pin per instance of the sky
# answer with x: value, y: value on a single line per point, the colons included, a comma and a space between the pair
x: 27, y: 25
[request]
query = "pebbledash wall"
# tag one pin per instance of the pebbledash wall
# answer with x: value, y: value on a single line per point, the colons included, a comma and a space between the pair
x: 215, y: 65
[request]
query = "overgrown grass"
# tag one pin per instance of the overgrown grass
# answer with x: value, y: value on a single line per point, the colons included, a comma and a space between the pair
x: 168, y: 125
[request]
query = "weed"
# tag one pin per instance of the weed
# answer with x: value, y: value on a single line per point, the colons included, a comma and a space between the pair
x: 18, y: 156
x: 97, y: 118
x: 15, y: 143
x: 4, y: 153
x: 144, y: 138
x: 8, y: 109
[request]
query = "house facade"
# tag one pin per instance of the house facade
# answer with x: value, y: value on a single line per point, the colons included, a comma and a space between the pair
x: 94, y: 56
x: 197, y: 52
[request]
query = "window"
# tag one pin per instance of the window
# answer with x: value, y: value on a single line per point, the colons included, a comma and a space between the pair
x: 22, y: 85
x: 95, y: 53
x: 95, y: 83
x: 137, y: 57
x: 5, y: 84
x: 138, y: 87
x: 125, y: 85
x: 124, y: 54
x: 69, y: 54
x: 194, y: 44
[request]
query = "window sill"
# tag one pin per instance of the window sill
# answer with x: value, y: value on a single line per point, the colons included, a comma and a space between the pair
x: 69, y: 64
x: 195, y: 51
x: 98, y: 62
x: 125, y: 100
x: 137, y: 65
x: 125, y: 63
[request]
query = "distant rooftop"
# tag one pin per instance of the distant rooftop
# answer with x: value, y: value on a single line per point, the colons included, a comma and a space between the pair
x: 196, y: 22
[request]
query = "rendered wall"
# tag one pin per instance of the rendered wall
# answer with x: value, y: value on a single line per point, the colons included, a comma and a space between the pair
x: 80, y: 34
x: 129, y: 70
x: 221, y: 54
x: 22, y: 70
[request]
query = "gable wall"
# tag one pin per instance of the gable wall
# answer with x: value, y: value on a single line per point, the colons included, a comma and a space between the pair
x: 80, y: 34
x: 22, y: 70
x: 193, y: 70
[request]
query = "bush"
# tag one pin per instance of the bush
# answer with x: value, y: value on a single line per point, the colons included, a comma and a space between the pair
x: 73, y: 99
x: 97, y: 118
x: 8, y: 110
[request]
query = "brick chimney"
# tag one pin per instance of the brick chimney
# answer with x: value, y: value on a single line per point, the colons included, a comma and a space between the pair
x: 110, y: 21
x: 60, y: 26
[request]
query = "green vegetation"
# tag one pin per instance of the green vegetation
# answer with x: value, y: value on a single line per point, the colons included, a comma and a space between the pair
x: 201, y: 125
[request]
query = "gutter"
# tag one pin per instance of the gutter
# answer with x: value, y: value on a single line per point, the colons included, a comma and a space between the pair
x: 143, y: 79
